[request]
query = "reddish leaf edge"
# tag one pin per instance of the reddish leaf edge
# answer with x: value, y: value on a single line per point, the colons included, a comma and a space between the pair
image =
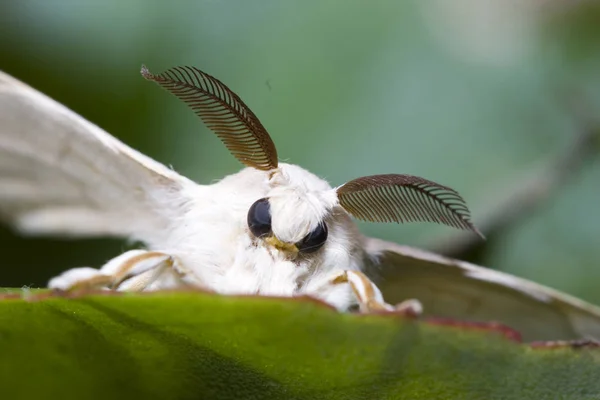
x: 577, y: 344
x: 489, y: 327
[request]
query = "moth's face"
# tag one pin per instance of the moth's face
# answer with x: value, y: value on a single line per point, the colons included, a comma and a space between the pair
x: 295, y: 215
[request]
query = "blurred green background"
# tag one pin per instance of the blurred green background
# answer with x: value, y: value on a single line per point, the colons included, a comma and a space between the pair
x: 470, y: 94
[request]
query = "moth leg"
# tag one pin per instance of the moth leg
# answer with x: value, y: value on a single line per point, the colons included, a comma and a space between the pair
x: 410, y: 307
x: 134, y: 270
x: 370, y: 298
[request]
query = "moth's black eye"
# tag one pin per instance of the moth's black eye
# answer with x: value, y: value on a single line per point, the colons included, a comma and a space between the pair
x: 259, y: 218
x: 314, y: 240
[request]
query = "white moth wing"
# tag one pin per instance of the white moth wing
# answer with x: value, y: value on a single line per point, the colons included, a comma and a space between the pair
x: 456, y: 289
x: 61, y: 174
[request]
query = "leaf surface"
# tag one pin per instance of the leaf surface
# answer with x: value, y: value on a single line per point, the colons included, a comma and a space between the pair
x: 194, y: 345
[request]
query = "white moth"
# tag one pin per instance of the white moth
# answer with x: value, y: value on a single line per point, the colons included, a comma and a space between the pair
x: 270, y: 229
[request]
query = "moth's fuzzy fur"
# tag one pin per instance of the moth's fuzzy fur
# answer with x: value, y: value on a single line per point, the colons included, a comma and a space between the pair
x: 211, y: 238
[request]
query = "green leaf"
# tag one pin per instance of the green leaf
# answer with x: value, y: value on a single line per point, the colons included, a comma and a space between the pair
x: 194, y: 345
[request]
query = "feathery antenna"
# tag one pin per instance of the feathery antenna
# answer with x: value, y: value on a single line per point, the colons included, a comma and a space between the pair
x: 404, y: 198
x: 223, y: 112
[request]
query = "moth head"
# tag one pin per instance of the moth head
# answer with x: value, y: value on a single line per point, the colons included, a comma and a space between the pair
x: 298, y: 215
x: 295, y: 215
x: 305, y: 240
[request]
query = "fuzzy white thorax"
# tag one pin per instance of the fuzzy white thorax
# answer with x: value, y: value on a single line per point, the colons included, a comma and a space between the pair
x: 209, y: 234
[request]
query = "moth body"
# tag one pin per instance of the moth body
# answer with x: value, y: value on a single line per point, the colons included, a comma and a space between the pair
x: 216, y: 249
